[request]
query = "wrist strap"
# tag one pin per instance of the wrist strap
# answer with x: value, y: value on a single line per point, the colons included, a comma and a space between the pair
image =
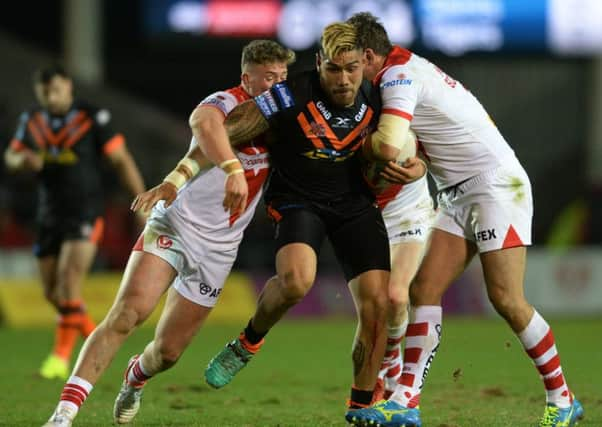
x: 235, y: 171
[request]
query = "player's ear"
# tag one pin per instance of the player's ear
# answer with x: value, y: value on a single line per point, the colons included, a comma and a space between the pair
x: 318, y: 61
x: 244, y: 77
x: 368, y: 56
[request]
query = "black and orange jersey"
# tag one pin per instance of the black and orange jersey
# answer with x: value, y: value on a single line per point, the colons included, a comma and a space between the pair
x: 72, y: 147
x: 315, y: 144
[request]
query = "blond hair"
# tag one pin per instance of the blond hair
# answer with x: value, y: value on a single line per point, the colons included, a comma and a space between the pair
x: 338, y: 38
x: 261, y: 52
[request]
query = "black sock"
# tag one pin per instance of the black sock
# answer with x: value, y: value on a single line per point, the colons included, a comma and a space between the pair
x: 252, y: 335
x: 360, y: 398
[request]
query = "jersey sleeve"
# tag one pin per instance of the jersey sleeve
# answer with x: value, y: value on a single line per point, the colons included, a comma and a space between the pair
x: 399, y: 91
x: 275, y: 100
x: 107, y: 139
x: 222, y: 100
x: 22, y: 138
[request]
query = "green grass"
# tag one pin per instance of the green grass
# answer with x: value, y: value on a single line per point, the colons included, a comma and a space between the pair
x: 302, y: 375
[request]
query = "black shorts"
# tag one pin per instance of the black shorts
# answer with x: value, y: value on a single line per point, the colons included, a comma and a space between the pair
x: 51, y: 235
x: 354, y: 226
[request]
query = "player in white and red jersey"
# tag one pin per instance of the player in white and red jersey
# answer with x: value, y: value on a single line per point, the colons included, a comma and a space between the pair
x: 190, y: 240
x: 485, y: 207
x: 408, y: 213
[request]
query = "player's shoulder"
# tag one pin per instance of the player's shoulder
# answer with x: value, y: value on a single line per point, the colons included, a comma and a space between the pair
x: 100, y: 115
x: 226, y: 99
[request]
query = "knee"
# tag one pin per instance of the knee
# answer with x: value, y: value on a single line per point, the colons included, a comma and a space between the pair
x: 123, y: 318
x: 295, y: 284
x: 398, y: 299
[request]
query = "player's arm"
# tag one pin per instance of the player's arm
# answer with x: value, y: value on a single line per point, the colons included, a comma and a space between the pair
x: 387, y: 142
x: 122, y: 161
x: 187, y: 168
x: 245, y: 122
x: 207, y: 125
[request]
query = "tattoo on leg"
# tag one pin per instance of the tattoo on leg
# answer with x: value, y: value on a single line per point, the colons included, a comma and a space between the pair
x: 359, y: 356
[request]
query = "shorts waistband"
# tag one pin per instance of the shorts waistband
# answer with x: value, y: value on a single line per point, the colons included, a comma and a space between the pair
x: 468, y: 183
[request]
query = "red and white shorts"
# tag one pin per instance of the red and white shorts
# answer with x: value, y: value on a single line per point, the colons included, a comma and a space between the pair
x: 493, y: 209
x: 202, y: 267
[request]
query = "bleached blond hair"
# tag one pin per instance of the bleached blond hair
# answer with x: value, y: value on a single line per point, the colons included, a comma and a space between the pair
x: 338, y: 38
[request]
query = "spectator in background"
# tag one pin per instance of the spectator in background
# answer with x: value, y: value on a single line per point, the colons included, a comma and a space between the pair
x: 63, y: 141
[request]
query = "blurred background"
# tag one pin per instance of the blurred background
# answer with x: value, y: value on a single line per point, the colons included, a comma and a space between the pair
x: 535, y: 65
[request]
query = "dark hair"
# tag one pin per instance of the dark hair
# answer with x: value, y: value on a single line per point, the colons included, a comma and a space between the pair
x: 265, y: 52
x: 45, y: 74
x: 371, y: 33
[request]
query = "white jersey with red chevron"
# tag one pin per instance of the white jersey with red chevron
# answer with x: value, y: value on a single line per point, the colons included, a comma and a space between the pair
x: 198, y: 207
x: 457, y: 135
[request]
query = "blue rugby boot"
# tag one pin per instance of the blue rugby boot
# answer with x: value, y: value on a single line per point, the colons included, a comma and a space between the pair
x: 385, y: 413
x: 554, y: 416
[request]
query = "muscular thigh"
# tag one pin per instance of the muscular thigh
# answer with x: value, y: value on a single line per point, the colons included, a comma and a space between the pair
x: 446, y: 257
x: 361, y: 243
x: 180, y: 321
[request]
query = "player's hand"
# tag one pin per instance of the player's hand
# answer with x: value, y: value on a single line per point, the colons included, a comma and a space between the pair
x: 237, y: 191
x: 144, y: 202
x: 411, y: 170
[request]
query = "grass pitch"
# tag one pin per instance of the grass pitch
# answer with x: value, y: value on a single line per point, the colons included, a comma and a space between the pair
x: 301, y: 377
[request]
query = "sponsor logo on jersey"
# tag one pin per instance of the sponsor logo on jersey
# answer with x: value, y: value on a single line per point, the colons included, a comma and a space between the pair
x: 164, y: 242
x: 342, y: 122
x: 328, y: 154
x: 267, y: 104
x: 327, y: 114
x: 485, y: 235
x: 205, y: 289
x: 396, y: 82
x: 103, y: 117
x: 217, y: 102
x: 284, y: 95
x: 85, y: 230
x: 254, y: 162
x: 360, y: 115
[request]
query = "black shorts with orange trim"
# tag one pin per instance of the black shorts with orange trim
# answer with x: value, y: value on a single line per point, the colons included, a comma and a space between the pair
x: 51, y: 236
x: 353, y: 224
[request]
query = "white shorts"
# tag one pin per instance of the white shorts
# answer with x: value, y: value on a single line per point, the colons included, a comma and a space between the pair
x: 410, y: 216
x: 202, y: 269
x: 493, y: 209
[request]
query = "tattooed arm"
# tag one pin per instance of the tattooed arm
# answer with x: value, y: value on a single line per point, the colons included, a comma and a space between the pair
x: 245, y: 122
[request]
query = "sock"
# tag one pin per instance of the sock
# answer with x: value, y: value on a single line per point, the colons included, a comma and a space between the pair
x: 538, y: 341
x: 251, y: 339
x: 67, y: 330
x: 359, y: 398
x: 422, y: 341
x: 136, y: 375
x: 393, y: 361
x: 75, y: 392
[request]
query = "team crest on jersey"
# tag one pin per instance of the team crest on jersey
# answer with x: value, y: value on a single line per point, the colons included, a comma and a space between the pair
x: 317, y: 129
x: 164, y: 242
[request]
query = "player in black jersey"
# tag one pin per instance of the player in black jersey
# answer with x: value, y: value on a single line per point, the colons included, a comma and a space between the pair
x: 318, y: 121
x: 63, y: 140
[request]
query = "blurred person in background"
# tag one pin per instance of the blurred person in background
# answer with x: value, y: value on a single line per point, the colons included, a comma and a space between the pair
x: 485, y: 207
x: 190, y: 241
x: 63, y: 140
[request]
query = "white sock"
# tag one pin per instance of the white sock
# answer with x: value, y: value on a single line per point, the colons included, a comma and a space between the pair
x: 538, y: 341
x: 422, y: 341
